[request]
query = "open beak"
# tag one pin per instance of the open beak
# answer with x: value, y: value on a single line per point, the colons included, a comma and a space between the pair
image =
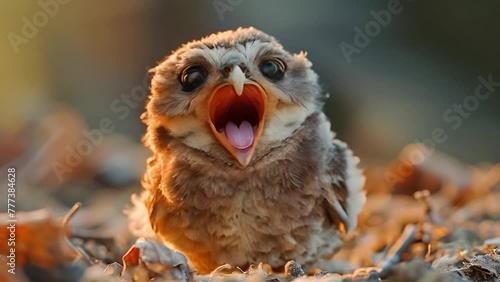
x: 236, y: 111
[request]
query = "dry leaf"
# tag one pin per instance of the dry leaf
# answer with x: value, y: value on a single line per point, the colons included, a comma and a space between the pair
x: 39, y: 239
x: 146, y: 260
x: 484, y: 267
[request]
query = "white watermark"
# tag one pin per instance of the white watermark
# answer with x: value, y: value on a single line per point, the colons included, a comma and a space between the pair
x: 11, y: 219
x: 223, y: 6
x: 452, y: 116
x: 32, y: 25
x: 363, y: 36
x: 94, y: 137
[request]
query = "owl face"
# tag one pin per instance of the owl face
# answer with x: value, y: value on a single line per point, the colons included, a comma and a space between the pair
x: 234, y: 95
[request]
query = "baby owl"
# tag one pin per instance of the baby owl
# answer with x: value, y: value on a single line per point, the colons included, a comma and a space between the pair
x: 244, y: 168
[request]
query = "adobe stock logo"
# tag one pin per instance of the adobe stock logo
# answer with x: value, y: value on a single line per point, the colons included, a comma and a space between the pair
x: 454, y: 117
x: 223, y: 6
x: 31, y: 26
x: 121, y: 108
x: 363, y: 37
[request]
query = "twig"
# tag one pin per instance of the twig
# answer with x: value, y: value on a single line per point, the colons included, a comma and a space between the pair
x: 67, y: 218
x: 395, y: 253
x: 219, y: 269
x: 71, y: 213
x: 423, y: 198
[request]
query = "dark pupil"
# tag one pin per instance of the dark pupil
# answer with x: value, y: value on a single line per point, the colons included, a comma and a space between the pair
x: 193, y: 78
x: 271, y: 70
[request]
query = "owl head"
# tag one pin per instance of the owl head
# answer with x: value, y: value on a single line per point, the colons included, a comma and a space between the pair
x: 234, y: 95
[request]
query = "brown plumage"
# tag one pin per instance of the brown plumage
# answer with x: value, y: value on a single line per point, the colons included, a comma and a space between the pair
x: 281, y: 189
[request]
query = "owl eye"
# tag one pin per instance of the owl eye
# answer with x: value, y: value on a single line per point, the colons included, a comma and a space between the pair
x: 192, y: 77
x: 273, y: 69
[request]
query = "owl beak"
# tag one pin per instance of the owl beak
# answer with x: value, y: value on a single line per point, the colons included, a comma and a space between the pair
x: 237, y: 119
x: 237, y: 79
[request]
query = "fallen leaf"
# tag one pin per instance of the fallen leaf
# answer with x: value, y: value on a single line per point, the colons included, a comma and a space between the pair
x: 38, y: 239
x: 146, y: 260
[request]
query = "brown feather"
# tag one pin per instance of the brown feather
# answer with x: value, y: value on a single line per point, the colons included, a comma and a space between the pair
x: 292, y: 201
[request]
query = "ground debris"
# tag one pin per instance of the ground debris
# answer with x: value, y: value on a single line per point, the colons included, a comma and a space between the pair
x: 484, y: 267
x: 293, y: 270
x: 395, y: 254
x: 39, y: 239
x: 418, y: 270
x: 437, y: 220
x: 148, y: 260
x: 101, y: 273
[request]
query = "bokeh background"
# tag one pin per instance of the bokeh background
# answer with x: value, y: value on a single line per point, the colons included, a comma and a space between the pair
x: 83, y: 58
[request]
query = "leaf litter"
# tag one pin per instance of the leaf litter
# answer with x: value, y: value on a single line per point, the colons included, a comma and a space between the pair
x: 438, y: 220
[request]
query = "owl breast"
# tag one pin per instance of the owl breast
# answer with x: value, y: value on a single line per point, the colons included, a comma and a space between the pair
x: 273, y: 213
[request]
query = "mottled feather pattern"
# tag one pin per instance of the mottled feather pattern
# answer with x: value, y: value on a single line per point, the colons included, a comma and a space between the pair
x: 294, y: 200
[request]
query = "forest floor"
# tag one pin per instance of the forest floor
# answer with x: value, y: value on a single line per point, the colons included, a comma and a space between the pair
x: 435, y: 220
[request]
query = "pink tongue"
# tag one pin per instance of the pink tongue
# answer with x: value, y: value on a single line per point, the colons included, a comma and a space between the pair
x: 241, y: 137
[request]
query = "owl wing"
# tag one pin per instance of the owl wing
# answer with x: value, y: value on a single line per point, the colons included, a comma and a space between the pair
x: 342, y: 183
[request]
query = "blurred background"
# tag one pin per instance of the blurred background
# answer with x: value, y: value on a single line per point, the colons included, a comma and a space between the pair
x: 71, y: 68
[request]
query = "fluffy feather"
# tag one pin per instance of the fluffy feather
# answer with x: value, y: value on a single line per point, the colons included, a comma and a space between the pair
x: 298, y: 194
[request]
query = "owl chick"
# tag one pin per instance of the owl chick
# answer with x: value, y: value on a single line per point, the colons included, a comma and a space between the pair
x: 245, y: 168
